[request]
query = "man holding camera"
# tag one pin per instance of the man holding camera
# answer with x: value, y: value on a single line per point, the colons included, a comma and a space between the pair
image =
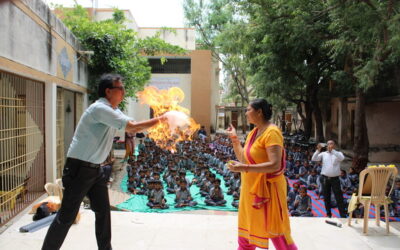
x: 330, y: 175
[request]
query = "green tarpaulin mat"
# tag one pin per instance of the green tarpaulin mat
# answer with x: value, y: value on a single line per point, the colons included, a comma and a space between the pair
x: 137, y: 203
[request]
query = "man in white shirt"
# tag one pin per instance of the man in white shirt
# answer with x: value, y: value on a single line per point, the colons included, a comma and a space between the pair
x: 330, y: 176
x: 82, y: 175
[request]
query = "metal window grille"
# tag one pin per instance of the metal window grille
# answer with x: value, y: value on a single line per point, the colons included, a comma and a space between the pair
x: 22, y: 148
x: 60, y: 132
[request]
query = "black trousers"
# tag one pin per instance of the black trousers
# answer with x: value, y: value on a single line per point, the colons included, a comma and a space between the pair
x: 333, y: 184
x: 81, y: 178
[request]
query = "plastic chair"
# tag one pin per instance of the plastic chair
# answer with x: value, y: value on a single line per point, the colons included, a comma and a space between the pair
x: 54, y: 191
x: 372, y: 190
x: 59, y: 183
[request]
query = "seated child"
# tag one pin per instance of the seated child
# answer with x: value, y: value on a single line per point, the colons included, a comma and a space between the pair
x: 303, y: 173
x: 216, y: 197
x: 156, y: 198
x: 235, y: 203
x: 182, y: 175
x: 206, y: 187
x: 295, y: 170
x: 354, y: 178
x: 318, y: 167
x: 312, y: 180
x: 302, y: 204
x: 141, y: 185
x: 150, y: 188
x: 289, y: 167
x: 235, y: 185
x: 132, y: 185
x: 171, y: 182
x: 196, y: 176
x: 291, y: 197
x: 345, y: 183
x: 395, y: 197
x: 183, y: 196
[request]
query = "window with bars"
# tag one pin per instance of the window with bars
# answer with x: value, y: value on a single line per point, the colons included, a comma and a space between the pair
x: 22, y: 151
x: 61, y: 124
x: 60, y: 132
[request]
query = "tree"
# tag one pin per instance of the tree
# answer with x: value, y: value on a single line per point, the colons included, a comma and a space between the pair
x: 287, y: 54
x: 221, y: 30
x: 116, y: 48
x: 367, y: 42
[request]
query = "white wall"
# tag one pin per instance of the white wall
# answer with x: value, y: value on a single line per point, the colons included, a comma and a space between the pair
x: 25, y: 41
x: 183, y: 81
x: 184, y: 37
x: 214, y: 93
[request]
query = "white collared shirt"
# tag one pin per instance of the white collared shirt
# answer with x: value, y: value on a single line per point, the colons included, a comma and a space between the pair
x: 330, y: 162
x: 93, y: 138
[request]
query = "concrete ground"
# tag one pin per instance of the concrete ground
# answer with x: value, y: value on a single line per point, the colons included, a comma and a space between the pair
x: 200, y: 229
x: 206, y: 230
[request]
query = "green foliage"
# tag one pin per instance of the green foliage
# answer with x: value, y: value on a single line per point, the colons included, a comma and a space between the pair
x: 117, y: 49
x: 366, y: 35
x: 222, y: 30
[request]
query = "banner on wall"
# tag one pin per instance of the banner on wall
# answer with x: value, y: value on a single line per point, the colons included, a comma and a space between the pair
x: 164, y: 82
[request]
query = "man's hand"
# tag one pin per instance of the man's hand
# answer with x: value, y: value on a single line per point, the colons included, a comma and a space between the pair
x: 163, y: 118
x: 319, y: 147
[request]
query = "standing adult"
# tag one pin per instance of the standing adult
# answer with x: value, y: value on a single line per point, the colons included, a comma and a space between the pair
x: 330, y: 176
x: 263, y: 211
x: 82, y: 174
x: 129, y: 146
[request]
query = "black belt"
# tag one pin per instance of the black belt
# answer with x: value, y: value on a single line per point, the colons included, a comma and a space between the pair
x: 330, y: 178
x: 86, y: 163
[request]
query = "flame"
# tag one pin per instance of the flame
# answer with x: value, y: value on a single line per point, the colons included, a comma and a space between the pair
x: 162, y: 101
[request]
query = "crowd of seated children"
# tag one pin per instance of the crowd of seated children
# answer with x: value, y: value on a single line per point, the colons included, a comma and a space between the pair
x: 155, y: 171
x: 306, y: 173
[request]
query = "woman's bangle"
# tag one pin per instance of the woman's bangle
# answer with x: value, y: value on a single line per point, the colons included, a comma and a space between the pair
x: 233, y: 136
x: 235, y: 141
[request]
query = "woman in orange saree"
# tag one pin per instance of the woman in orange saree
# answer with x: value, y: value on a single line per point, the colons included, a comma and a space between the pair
x: 263, y: 212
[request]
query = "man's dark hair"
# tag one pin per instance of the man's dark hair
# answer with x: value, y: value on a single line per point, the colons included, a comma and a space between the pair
x: 106, y: 82
x: 265, y: 107
x: 334, y: 142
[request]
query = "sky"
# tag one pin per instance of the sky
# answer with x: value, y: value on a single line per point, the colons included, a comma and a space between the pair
x: 147, y: 13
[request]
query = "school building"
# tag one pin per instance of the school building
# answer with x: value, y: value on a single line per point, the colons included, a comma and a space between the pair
x: 196, y: 73
x: 43, y: 92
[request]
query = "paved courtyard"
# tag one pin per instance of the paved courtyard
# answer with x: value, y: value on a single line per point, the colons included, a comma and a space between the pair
x: 205, y: 230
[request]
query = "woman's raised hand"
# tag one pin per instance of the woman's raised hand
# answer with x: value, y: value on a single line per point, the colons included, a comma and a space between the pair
x: 231, y: 131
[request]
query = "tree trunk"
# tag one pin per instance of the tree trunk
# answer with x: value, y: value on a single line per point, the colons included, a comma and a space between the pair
x: 308, y: 120
x: 318, y: 118
x: 361, y: 142
x: 283, y: 121
x: 243, y: 117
